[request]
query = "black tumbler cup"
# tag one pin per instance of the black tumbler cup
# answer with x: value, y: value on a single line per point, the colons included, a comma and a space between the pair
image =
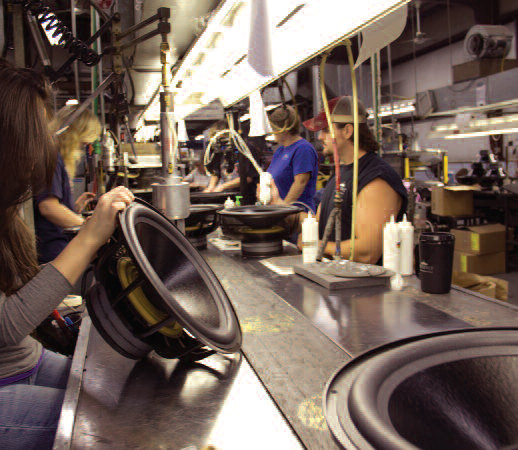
x: 436, y: 262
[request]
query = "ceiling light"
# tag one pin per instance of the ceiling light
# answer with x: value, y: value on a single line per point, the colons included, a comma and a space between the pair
x: 476, y: 127
x: 323, y: 22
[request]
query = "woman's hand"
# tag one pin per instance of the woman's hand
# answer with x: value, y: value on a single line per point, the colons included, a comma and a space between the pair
x: 101, y: 225
x: 96, y: 231
x: 83, y: 200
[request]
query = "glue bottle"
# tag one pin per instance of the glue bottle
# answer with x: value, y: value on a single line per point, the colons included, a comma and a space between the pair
x: 229, y: 203
x: 391, y: 248
x: 406, y: 236
x: 265, y: 189
x: 309, y: 239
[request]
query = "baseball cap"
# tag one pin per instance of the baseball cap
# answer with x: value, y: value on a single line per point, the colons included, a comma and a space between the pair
x: 341, y: 109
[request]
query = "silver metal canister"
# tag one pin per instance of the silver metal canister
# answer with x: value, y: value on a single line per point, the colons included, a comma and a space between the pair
x: 172, y: 198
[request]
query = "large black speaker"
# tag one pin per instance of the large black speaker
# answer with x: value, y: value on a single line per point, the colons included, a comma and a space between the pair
x: 154, y: 291
x: 202, y: 221
x: 449, y: 390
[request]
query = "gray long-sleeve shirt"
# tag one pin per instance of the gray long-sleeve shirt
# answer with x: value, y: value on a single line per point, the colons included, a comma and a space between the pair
x: 21, y: 313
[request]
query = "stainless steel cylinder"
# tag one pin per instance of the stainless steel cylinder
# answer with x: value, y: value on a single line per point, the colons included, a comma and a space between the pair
x: 172, y: 198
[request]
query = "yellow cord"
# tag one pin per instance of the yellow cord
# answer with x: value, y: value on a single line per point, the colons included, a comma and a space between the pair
x: 356, y: 145
x: 279, y: 130
x: 347, y: 44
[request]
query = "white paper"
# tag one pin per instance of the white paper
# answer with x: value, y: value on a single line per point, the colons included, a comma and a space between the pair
x: 382, y: 33
x: 260, y: 39
x: 259, y: 123
x: 182, y: 131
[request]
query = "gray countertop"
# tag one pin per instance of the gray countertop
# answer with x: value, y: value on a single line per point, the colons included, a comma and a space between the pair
x: 295, y: 336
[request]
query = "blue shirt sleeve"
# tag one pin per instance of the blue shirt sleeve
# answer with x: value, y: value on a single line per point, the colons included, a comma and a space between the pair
x: 304, y: 160
x: 56, y: 188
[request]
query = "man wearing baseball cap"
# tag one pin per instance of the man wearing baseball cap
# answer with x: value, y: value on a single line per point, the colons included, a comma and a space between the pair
x: 380, y: 190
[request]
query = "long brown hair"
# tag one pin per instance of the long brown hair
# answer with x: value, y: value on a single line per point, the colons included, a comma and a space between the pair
x: 27, y: 161
x: 366, y: 138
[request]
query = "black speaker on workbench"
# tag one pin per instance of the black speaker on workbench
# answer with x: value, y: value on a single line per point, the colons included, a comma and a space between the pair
x: 154, y: 291
x: 260, y: 232
x: 448, y: 390
x: 202, y: 221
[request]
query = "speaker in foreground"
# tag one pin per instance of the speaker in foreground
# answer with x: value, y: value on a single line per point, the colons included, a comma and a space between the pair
x: 154, y: 291
x: 449, y: 390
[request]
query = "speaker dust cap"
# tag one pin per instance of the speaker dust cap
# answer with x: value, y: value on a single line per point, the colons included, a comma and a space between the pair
x: 184, y: 285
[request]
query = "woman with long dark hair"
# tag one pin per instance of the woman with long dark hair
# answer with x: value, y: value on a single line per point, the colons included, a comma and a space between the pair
x: 32, y: 380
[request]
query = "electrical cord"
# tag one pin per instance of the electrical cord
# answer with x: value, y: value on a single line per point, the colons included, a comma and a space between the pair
x: 49, y: 21
x: 238, y: 142
x: 286, y: 127
x: 335, y: 216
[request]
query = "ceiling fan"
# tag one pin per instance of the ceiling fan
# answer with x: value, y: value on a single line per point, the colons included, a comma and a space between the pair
x: 420, y: 37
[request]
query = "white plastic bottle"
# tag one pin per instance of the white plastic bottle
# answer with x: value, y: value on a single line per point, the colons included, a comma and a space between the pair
x: 265, y: 189
x: 406, y: 236
x: 229, y: 203
x: 391, y: 246
x: 309, y: 239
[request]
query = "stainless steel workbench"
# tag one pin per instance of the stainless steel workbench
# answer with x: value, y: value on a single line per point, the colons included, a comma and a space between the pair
x: 296, y: 335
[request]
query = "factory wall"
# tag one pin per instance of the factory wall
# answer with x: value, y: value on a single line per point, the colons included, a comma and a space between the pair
x: 434, y: 71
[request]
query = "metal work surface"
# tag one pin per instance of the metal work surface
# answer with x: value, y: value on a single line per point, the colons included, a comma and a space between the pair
x: 235, y: 402
x: 159, y: 403
x: 362, y: 318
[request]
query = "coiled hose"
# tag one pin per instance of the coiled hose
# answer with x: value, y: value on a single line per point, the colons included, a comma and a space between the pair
x: 48, y: 20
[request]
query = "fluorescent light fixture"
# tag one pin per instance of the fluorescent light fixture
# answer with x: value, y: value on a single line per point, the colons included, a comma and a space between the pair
x: 300, y: 31
x: 72, y: 102
x: 477, y: 127
x: 481, y: 133
x: 395, y: 109
x: 200, y: 137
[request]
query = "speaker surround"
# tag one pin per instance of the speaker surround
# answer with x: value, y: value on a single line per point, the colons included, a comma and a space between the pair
x: 154, y: 291
x: 450, y: 390
x: 259, y: 233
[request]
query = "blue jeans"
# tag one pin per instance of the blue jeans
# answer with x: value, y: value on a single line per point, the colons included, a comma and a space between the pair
x: 30, y: 408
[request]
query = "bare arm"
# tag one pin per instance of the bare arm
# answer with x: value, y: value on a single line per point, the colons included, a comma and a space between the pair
x: 298, y: 186
x: 376, y: 202
x: 232, y: 184
x: 212, y: 183
x: 22, y: 311
x: 59, y: 214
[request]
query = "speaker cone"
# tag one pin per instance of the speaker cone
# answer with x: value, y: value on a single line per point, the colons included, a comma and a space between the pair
x: 449, y: 390
x: 153, y: 290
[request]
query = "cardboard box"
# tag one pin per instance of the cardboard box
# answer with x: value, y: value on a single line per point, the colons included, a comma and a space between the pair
x: 452, y: 200
x: 480, y: 240
x: 487, y: 264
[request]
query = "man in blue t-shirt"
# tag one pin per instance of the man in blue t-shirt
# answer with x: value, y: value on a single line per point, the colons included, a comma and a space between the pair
x: 294, y: 165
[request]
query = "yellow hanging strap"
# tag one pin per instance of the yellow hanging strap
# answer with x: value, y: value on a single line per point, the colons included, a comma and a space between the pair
x: 356, y: 128
x: 347, y: 44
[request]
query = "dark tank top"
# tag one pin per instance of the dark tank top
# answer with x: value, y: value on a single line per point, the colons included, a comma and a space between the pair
x: 370, y: 167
